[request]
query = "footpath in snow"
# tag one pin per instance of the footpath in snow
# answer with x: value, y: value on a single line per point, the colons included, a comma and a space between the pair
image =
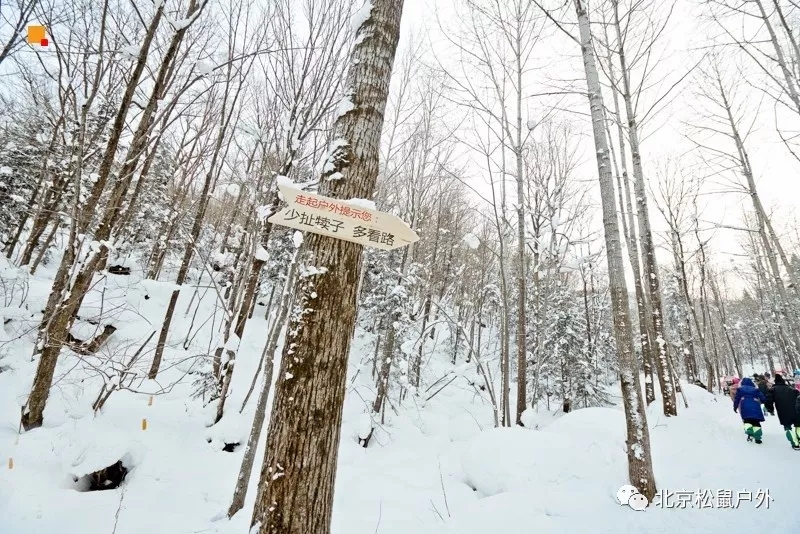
x: 436, y: 467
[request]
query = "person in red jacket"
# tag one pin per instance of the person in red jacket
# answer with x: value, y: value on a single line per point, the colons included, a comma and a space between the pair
x: 733, y: 387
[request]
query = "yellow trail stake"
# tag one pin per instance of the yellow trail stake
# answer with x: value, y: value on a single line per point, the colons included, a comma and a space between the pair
x: 150, y: 401
x: 11, y: 463
x: 144, y: 424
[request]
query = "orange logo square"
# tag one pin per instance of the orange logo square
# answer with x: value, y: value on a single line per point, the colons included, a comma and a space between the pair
x: 37, y: 35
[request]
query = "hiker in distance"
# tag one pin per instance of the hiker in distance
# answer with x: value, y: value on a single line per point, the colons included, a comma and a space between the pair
x: 734, y: 385
x: 763, y: 386
x: 783, y: 399
x: 747, y: 402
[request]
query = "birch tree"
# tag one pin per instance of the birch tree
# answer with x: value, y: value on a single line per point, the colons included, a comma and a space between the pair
x: 623, y: 32
x: 640, y: 466
x: 724, y: 120
x: 677, y: 194
x: 765, y: 33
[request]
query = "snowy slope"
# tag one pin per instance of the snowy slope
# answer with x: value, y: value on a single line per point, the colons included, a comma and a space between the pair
x: 435, y: 467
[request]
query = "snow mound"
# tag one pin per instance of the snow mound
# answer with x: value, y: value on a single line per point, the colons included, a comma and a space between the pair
x: 585, y: 423
x: 529, y: 458
x: 90, y: 445
x: 233, y: 428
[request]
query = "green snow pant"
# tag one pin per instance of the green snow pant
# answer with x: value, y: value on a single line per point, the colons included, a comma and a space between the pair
x: 792, y: 434
x: 753, y: 428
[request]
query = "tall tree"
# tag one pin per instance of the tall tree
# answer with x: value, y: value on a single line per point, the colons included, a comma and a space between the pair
x: 496, y: 43
x: 724, y: 116
x: 295, y: 493
x: 640, y: 464
x: 650, y: 272
x: 65, y: 298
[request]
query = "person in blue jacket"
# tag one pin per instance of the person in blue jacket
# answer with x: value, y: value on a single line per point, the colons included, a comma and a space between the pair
x: 747, y: 403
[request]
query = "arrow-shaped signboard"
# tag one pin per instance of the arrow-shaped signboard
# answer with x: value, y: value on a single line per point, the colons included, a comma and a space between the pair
x: 342, y: 219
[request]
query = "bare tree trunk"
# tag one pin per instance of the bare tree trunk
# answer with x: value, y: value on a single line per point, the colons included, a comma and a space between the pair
x: 780, y: 56
x: 646, y: 341
x: 295, y: 494
x: 723, y: 316
x: 47, y: 211
x: 386, y: 361
x: 55, y: 324
x: 243, y: 480
x: 197, y: 225
x: 522, y: 318
x: 56, y: 328
x: 47, y: 205
x: 640, y: 467
x: 651, y: 276
x: 226, y: 370
x: 46, y: 245
x: 788, y: 317
x: 382, y: 381
x: 701, y: 329
x: 690, y: 358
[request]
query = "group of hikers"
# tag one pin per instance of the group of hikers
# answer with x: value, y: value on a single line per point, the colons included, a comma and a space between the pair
x: 753, y: 400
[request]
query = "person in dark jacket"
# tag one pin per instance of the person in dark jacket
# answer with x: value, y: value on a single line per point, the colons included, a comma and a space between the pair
x: 747, y: 403
x: 763, y: 387
x: 797, y: 412
x: 783, y: 399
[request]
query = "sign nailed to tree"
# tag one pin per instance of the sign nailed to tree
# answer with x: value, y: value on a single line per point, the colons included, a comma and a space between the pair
x: 342, y: 219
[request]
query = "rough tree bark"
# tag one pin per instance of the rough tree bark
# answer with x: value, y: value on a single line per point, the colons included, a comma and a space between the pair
x: 295, y: 493
x: 629, y: 232
x: 651, y: 276
x: 640, y: 467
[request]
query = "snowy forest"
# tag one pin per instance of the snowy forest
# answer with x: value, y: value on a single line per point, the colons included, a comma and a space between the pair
x: 603, y: 199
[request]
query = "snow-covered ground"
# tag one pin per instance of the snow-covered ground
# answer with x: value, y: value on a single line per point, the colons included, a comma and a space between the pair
x: 435, y: 467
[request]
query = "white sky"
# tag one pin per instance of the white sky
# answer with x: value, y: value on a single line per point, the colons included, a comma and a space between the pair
x: 775, y: 169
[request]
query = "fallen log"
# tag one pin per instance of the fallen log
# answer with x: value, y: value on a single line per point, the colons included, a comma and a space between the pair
x: 92, y: 346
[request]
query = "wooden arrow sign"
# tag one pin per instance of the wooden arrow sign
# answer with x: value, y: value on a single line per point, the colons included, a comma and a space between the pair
x: 342, y: 219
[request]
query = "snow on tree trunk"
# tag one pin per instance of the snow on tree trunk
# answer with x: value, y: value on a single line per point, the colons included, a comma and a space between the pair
x: 629, y: 231
x: 640, y: 468
x: 295, y: 493
x: 652, y: 281
x: 62, y: 306
x: 790, y: 87
x: 522, y: 318
x: 690, y: 358
x: 715, y: 292
x: 230, y: 97
x: 248, y: 460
